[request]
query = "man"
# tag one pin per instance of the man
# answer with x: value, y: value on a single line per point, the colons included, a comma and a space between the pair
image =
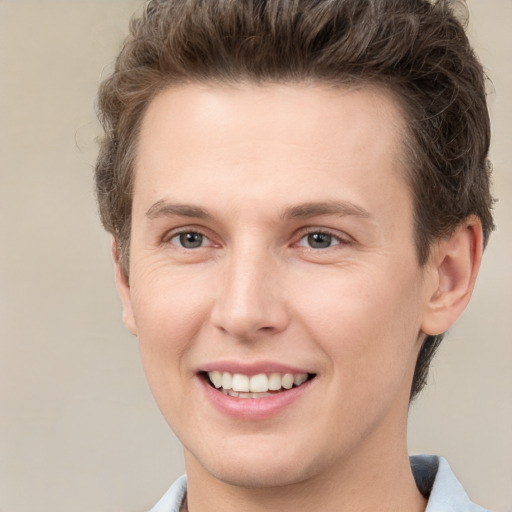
x: 298, y: 194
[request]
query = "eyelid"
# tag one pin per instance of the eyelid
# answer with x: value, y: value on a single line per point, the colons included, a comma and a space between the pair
x: 342, y: 238
x: 172, y: 233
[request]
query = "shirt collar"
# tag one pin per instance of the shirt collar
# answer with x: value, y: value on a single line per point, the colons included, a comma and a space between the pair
x: 436, y: 481
x: 433, y: 475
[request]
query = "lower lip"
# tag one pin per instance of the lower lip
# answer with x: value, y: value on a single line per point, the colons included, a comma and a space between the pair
x: 254, y: 408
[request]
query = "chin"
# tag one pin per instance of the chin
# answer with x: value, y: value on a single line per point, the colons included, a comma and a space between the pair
x: 263, y: 476
x: 253, y: 465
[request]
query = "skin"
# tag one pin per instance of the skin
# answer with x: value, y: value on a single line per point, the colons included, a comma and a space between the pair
x: 245, y: 160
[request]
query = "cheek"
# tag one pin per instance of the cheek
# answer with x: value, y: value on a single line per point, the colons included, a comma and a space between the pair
x: 365, y: 322
x: 167, y: 299
x: 169, y: 309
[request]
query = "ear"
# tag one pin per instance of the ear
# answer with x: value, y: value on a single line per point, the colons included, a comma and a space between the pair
x: 123, y: 287
x: 454, y: 266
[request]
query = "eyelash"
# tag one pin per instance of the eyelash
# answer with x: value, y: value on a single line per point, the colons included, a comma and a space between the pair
x: 333, y: 238
x: 304, y: 235
x: 177, y: 234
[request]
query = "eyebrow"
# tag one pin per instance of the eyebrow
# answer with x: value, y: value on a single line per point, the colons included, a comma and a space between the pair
x: 314, y: 209
x: 163, y: 208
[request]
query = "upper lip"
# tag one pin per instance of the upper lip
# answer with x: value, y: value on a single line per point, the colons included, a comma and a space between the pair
x: 253, y: 368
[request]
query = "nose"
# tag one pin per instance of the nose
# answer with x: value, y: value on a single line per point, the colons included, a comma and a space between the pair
x: 251, y: 299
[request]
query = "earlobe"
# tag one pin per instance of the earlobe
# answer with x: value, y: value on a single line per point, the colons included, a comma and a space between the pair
x: 454, y: 263
x: 123, y: 288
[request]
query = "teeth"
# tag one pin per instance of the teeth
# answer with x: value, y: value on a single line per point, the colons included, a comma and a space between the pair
x: 216, y: 378
x: 259, y: 383
x: 256, y: 386
x: 240, y: 382
x: 287, y: 381
x: 227, y: 380
x: 236, y: 394
x: 274, y: 382
x: 299, y: 379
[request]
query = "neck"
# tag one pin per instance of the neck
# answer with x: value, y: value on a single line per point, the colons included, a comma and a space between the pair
x: 377, y: 480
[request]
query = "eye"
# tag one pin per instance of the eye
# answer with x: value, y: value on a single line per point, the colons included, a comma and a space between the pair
x: 189, y: 240
x: 319, y: 240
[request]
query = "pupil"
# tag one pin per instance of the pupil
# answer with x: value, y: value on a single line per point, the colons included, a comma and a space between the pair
x: 319, y: 240
x: 191, y: 240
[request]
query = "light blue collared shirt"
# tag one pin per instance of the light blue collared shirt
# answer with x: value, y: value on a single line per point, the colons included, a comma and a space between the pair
x: 433, y: 476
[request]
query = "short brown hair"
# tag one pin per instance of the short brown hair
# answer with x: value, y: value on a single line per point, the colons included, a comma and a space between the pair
x: 417, y: 49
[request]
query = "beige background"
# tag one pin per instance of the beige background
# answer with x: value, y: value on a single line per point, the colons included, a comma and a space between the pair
x: 78, y: 428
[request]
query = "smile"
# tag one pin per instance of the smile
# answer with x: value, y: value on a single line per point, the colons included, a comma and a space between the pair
x: 255, y: 386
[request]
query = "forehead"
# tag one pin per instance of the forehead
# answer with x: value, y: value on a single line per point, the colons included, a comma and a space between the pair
x: 306, y: 110
x: 302, y: 141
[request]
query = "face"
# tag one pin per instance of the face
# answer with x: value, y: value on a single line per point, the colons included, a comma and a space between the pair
x: 273, y: 283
